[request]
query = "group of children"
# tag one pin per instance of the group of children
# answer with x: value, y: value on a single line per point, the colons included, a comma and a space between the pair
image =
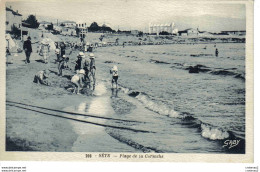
x: 85, y: 70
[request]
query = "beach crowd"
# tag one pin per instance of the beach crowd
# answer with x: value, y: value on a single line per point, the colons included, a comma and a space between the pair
x: 84, y: 70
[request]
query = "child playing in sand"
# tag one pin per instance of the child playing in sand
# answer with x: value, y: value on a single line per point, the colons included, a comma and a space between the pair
x: 114, y: 72
x: 63, y: 64
x: 78, y: 81
x: 41, y: 77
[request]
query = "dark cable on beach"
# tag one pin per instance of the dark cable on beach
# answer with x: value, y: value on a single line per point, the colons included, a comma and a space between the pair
x: 73, y: 113
x: 103, y: 125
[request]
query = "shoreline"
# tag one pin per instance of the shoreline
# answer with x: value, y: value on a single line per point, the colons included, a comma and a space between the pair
x: 32, y: 131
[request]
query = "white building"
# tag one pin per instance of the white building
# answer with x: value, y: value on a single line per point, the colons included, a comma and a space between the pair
x: 157, y: 28
x: 12, y: 19
x: 189, y: 32
x: 81, y: 25
x: 44, y: 24
x: 69, y: 24
x: 68, y: 31
x: 83, y: 29
x: 57, y: 28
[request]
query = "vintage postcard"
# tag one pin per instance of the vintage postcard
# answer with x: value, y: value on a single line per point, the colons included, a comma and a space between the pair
x: 127, y: 80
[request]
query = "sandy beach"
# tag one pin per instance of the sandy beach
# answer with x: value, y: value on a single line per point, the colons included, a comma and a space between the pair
x: 32, y: 131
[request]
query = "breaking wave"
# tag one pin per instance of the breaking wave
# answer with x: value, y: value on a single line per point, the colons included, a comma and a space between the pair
x: 159, y: 106
x: 213, y: 133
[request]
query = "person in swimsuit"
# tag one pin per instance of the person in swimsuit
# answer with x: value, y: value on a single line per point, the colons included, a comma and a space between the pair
x: 114, y: 72
x: 78, y: 81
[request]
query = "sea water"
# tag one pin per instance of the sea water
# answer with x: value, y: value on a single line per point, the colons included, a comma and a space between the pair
x: 190, y: 112
x: 183, y: 112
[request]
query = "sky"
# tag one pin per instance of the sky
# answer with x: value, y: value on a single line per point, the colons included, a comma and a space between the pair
x: 137, y: 14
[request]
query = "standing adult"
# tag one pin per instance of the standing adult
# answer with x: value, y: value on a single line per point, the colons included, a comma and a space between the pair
x: 92, y: 67
x: 27, y: 46
x: 57, y: 52
x: 85, y: 66
x: 63, y: 63
x: 62, y: 49
x: 45, y: 48
x: 79, y: 65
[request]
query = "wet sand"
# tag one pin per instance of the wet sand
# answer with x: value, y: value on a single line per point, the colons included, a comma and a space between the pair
x: 31, y: 131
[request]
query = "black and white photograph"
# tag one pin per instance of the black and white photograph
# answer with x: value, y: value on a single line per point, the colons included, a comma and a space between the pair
x: 127, y: 77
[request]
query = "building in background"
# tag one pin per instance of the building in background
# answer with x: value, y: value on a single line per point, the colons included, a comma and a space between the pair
x: 44, y: 24
x: 189, y: 32
x: 239, y: 33
x: 134, y: 32
x: 13, y: 18
x: 158, y: 28
x: 68, y: 31
x: 69, y: 24
x: 82, y: 29
x: 205, y: 33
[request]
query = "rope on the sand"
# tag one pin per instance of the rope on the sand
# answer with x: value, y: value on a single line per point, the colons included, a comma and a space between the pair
x: 73, y: 113
x: 84, y: 121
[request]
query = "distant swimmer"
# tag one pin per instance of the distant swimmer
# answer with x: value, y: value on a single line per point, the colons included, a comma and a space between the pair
x: 205, y: 47
x: 78, y: 81
x: 216, y: 52
x: 114, y: 72
x: 41, y: 77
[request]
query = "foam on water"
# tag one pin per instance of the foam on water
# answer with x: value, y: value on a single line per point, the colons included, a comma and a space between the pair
x: 213, y: 133
x: 207, y: 131
x: 157, y: 107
